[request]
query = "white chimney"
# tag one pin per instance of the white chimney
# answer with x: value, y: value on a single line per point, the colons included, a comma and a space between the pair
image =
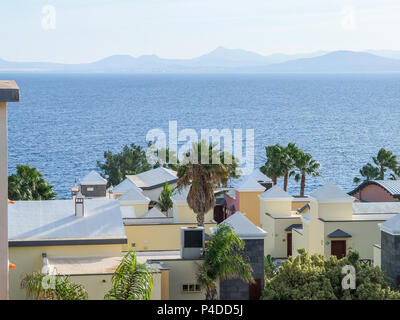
x: 79, y: 205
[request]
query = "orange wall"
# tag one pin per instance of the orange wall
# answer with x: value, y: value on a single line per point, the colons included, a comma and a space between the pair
x: 249, y: 204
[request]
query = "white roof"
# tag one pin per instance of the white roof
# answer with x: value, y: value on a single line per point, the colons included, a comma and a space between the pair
x: 124, y: 186
x: 153, y: 178
x: 259, y: 176
x: 331, y: 193
x: 128, y: 212
x: 250, y: 184
x: 180, y: 195
x: 93, y: 178
x: 133, y: 196
x: 376, y: 207
x: 391, y: 226
x: 55, y: 219
x: 276, y: 193
x: 243, y: 227
x: 153, y: 213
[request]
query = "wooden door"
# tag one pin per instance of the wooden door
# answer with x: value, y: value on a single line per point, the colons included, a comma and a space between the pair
x: 289, y: 244
x: 338, y: 248
x: 255, y: 290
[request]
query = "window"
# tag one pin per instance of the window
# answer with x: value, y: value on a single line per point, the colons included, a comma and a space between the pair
x: 191, y: 288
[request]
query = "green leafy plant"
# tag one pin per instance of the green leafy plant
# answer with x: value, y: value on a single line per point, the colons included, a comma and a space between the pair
x: 223, y: 259
x: 164, y: 202
x: 313, y: 277
x: 29, y: 184
x: 52, y: 287
x: 131, y: 280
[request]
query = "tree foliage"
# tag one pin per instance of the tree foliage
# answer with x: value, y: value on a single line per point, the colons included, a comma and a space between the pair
x: 223, y: 259
x: 164, y: 202
x: 131, y: 160
x: 313, y: 277
x: 383, y: 162
x: 52, y: 287
x: 29, y: 184
x: 201, y: 170
x: 131, y: 280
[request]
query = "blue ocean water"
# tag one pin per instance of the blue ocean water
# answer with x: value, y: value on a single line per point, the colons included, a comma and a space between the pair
x: 64, y: 122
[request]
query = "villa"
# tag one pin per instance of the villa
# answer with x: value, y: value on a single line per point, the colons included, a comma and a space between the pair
x: 377, y: 191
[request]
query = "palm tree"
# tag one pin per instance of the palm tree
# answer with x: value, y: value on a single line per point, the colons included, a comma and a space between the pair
x: 289, y: 162
x: 202, y: 177
x: 29, y: 184
x: 164, y: 202
x: 131, y: 280
x: 42, y: 286
x: 223, y: 259
x: 275, y: 165
x: 369, y: 172
x: 305, y: 165
x: 385, y: 160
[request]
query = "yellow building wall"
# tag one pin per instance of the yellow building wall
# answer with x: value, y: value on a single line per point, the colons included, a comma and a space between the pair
x: 298, y: 204
x: 315, y: 231
x: 157, y: 236
x: 164, y: 284
x: 249, y: 204
x: 281, y: 208
x: 140, y: 209
x: 377, y: 256
x: 364, y: 235
x: 298, y: 242
x: 335, y: 211
x: 29, y: 259
x: 183, y: 214
x: 184, y: 272
x: 268, y: 225
x: 280, y: 250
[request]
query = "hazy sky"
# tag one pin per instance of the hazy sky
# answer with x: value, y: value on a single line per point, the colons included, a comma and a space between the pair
x: 88, y: 30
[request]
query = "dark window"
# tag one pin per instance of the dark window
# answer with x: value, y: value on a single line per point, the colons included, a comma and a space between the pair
x: 191, y: 287
x: 185, y: 287
x: 198, y: 287
x: 193, y: 239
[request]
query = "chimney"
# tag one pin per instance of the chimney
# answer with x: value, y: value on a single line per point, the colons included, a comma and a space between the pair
x: 79, y: 205
x: 192, y: 242
x: 74, y: 190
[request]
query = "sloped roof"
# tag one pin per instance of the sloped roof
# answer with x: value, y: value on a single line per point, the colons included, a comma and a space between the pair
x: 56, y: 220
x: 134, y: 196
x: 338, y: 233
x: 181, y: 195
x: 153, y: 178
x: 259, y: 176
x: 391, y: 186
x: 93, y: 178
x: 243, y: 227
x: 331, y: 193
x: 153, y: 213
x: 128, y: 212
x: 124, y: 186
x: 250, y: 184
x: 376, y: 207
x: 391, y: 226
x: 276, y: 193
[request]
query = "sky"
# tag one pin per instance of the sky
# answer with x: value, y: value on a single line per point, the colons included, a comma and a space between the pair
x: 78, y: 31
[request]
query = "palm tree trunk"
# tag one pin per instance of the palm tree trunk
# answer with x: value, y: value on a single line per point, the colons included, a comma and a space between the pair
x: 211, y: 293
x: 274, y: 180
x: 200, y: 219
x: 285, y: 181
x: 382, y: 173
x: 302, y: 183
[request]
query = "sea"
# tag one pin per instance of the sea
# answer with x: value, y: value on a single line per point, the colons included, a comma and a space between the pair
x: 64, y: 122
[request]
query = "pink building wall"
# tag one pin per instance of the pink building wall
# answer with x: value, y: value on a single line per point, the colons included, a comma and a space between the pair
x: 230, y: 201
x: 373, y: 193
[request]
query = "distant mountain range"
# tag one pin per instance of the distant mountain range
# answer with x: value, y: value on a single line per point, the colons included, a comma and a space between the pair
x: 222, y: 60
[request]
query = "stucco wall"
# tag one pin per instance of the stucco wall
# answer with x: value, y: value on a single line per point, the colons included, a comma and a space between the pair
x: 29, y: 259
x: 140, y: 209
x: 282, y: 208
x: 374, y: 193
x: 377, y: 255
x: 364, y: 235
x: 157, y: 236
x: 183, y: 214
x: 249, y: 204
